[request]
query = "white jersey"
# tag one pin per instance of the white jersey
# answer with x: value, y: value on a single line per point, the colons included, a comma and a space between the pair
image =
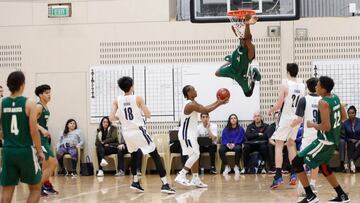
x: 311, y: 113
x: 129, y: 113
x: 296, y: 90
x: 189, y: 123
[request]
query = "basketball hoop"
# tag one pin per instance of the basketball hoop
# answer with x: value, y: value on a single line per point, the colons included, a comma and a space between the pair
x: 237, y: 17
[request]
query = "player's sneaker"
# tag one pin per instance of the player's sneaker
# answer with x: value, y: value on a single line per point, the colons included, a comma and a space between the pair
x: 43, y: 194
x: 352, y: 167
x: 49, y: 189
x: 136, y: 186
x: 236, y: 170
x: 103, y: 163
x: 277, y: 182
x: 341, y: 198
x: 312, y: 199
x: 293, y: 179
x: 313, y: 188
x: 100, y: 173
x: 165, y: 188
x: 181, y: 179
x: 227, y: 169
x: 213, y: 170
x: 198, y: 183
x: 120, y: 173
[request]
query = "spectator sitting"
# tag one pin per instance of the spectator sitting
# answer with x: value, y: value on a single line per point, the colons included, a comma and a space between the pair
x: 208, y: 129
x: 232, y: 138
x: 70, y: 138
x: 256, y: 140
x: 352, y: 135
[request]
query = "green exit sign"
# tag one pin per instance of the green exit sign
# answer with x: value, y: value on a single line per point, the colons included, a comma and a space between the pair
x: 60, y: 10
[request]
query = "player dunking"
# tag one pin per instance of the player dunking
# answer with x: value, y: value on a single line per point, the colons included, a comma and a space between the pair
x: 188, y: 135
x: 128, y: 110
x: 291, y: 90
x: 237, y: 66
x: 49, y: 164
x: 320, y: 151
x: 307, y: 109
x: 22, y: 146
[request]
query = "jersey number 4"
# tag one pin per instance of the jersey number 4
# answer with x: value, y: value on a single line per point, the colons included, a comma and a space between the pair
x: 128, y: 113
x: 14, y: 126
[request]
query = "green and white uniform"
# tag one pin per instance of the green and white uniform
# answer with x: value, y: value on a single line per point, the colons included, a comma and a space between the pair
x: 238, y: 68
x: 19, y: 161
x: 321, y: 150
x: 43, y: 122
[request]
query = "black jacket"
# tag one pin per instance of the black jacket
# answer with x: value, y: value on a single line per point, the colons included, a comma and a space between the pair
x: 252, y: 132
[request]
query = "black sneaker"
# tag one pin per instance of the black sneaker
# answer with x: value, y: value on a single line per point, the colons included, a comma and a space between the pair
x: 136, y: 186
x: 312, y: 199
x: 43, y: 194
x: 49, y: 189
x: 213, y: 170
x: 341, y: 198
x: 167, y: 189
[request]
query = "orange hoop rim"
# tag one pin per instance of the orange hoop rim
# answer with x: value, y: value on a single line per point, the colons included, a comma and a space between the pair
x: 241, y: 13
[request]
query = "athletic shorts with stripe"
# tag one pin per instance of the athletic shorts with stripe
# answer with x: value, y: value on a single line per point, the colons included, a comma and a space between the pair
x: 317, y: 153
x: 138, y: 139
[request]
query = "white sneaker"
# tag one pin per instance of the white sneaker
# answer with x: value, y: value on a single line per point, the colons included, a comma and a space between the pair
x: 352, y: 167
x: 100, y: 173
x: 103, y: 163
x: 198, y: 183
x: 313, y: 188
x: 236, y: 170
x: 243, y: 171
x: 226, y: 170
x: 181, y: 179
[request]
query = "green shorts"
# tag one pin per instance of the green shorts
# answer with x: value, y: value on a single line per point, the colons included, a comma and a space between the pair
x: 317, y: 153
x: 230, y: 71
x: 19, y: 164
x: 48, y: 151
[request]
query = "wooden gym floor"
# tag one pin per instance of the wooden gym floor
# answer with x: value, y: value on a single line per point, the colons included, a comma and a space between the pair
x: 244, y: 188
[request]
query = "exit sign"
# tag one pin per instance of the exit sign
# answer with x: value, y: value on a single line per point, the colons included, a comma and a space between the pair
x: 60, y: 10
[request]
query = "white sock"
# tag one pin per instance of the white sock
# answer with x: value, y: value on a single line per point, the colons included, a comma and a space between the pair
x: 135, y: 178
x: 312, y: 182
x: 164, y: 180
x: 184, y: 171
x: 195, y: 175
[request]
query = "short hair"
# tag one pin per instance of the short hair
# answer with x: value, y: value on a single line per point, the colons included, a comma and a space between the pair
x: 41, y: 89
x: 327, y: 83
x: 15, y: 80
x: 292, y: 69
x: 125, y: 83
x: 201, y: 114
x: 185, y: 90
x: 311, y: 84
x: 352, y: 108
x: 1, y: 86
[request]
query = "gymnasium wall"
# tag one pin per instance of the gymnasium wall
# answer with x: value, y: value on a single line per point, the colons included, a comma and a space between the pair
x: 60, y: 51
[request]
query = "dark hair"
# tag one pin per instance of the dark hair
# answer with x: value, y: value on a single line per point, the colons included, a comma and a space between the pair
x: 66, y: 129
x: 0, y: 86
x: 292, y: 69
x: 185, y: 90
x: 201, y: 114
x: 327, y: 83
x: 15, y: 80
x: 352, y: 108
x: 311, y: 84
x: 41, y: 89
x: 228, y: 125
x: 125, y: 83
x: 101, y: 128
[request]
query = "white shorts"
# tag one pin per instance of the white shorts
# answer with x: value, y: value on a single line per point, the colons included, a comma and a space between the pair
x: 138, y: 139
x: 283, y: 133
x: 306, y: 141
x: 190, y: 146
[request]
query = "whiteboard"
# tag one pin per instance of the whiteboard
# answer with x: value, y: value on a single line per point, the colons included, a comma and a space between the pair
x: 346, y: 75
x: 161, y: 87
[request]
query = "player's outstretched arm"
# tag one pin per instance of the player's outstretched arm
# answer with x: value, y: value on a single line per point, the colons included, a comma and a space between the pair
x: 325, y: 124
x: 114, y: 108
x: 141, y: 104
x: 32, y: 112
x: 194, y: 106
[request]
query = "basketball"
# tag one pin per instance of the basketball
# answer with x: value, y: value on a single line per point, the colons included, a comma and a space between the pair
x: 223, y: 93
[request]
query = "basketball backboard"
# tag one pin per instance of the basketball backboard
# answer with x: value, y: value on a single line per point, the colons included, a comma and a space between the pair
x: 212, y: 11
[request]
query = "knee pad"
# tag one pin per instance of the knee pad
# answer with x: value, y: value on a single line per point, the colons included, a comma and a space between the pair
x: 298, y: 164
x: 325, y: 169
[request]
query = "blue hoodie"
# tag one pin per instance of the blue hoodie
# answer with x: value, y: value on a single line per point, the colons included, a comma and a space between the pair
x: 233, y: 136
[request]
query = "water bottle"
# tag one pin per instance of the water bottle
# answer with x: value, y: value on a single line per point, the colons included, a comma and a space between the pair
x: 202, y: 171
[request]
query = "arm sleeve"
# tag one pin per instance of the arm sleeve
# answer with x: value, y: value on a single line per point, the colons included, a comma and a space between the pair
x: 224, y: 137
x: 300, y: 110
x: 213, y: 128
x: 97, y: 141
x: 81, y: 138
x: 113, y: 136
x: 241, y: 136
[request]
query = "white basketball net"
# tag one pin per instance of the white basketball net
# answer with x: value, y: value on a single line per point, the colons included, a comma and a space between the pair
x: 239, y: 26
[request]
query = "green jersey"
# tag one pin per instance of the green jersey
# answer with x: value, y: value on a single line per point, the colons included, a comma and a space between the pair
x: 43, y: 120
x: 333, y: 135
x: 15, y: 123
x: 240, y: 60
